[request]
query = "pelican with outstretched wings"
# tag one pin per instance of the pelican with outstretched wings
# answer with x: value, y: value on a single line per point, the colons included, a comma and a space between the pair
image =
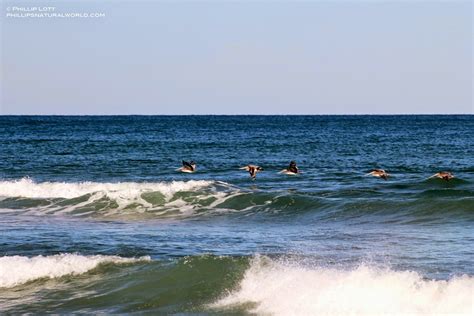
x: 445, y: 175
x: 380, y: 173
x: 252, y: 169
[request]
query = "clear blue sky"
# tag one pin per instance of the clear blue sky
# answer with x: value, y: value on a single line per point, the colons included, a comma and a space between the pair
x: 241, y: 57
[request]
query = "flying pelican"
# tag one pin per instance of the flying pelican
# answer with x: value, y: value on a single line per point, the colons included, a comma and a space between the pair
x: 252, y: 169
x: 443, y: 175
x: 379, y: 173
x: 291, y: 170
x: 188, y: 167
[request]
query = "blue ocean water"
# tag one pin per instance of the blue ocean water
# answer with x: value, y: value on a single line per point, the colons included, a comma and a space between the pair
x: 96, y: 218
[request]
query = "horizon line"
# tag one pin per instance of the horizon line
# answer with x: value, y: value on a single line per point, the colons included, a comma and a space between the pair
x: 350, y: 114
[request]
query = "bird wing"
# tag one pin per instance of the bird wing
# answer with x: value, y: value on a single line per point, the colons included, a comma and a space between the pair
x: 187, y: 165
x: 293, y: 168
x: 253, y: 172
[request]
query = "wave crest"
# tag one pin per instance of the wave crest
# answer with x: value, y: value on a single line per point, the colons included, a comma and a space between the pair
x: 108, y: 199
x: 16, y: 270
x: 27, y: 188
x: 280, y: 288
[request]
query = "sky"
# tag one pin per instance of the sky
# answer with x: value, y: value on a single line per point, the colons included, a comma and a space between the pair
x: 238, y: 57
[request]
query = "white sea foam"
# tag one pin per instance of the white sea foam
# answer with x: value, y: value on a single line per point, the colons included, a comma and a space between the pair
x: 16, y: 270
x: 108, y: 198
x: 27, y: 188
x: 279, y: 288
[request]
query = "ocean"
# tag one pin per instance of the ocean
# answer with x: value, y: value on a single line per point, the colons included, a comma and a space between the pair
x: 95, y: 218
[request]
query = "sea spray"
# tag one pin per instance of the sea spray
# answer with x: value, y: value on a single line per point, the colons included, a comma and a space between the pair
x: 279, y: 287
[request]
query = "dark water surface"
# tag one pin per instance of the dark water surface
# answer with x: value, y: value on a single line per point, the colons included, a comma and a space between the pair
x: 95, y: 217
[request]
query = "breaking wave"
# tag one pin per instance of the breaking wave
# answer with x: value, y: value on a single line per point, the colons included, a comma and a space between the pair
x: 260, y: 285
x: 281, y: 288
x: 108, y: 199
x: 181, y: 199
x: 27, y: 188
x: 17, y: 270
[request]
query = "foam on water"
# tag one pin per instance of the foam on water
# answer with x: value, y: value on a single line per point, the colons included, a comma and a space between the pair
x: 290, y: 289
x: 16, y: 270
x: 27, y: 188
x: 85, y: 198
